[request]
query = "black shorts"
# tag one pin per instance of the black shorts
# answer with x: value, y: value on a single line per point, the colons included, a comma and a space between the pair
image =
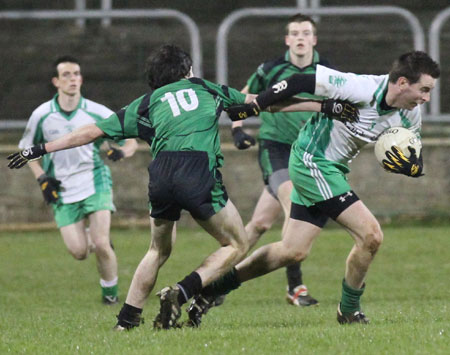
x: 274, y: 163
x: 183, y: 180
x: 319, y: 213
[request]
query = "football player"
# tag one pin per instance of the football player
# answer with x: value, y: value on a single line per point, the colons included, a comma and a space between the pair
x: 319, y: 164
x: 76, y: 182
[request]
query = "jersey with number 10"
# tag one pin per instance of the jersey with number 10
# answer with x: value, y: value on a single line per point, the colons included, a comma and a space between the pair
x: 181, y: 116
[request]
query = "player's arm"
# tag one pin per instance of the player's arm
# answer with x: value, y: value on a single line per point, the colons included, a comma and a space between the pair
x: 248, y: 100
x: 340, y: 110
x: 130, y: 147
x: 241, y: 139
x: 49, y: 185
x: 126, y: 151
x: 284, y: 90
x: 79, y: 137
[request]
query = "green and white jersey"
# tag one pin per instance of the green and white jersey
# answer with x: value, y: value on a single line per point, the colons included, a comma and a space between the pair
x: 281, y: 127
x: 341, y: 142
x: 181, y: 116
x: 80, y: 170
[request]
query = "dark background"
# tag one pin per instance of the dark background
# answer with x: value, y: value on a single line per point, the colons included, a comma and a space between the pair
x: 113, y: 58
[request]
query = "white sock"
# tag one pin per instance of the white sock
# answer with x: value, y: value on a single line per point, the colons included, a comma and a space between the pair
x: 111, y: 283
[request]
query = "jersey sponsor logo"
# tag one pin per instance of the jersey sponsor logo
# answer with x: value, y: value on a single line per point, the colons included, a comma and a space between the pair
x: 337, y: 81
x: 359, y: 133
x: 282, y: 85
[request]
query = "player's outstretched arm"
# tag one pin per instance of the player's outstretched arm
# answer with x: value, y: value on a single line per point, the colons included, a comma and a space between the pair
x: 339, y: 110
x: 79, y: 137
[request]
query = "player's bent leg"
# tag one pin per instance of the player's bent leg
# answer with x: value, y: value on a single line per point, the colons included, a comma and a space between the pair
x: 227, y: 228
x: 146, y: 273
x: 99, y: 229
x: 366, y: 231
x: 367, y: 234
x: 99, y: 226
x: 294, y: 247
x: 75, y: 239
x: 263, y: 260
x: 266, y: 212
x: 297, y: 293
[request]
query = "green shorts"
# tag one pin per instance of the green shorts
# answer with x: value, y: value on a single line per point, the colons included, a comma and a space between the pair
x: 316, y: 179
x: 274, y: 162
x: 70, y: 213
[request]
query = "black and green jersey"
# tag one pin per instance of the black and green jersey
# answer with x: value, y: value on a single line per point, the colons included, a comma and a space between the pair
x: 182, y: 116
x: 281, y: 127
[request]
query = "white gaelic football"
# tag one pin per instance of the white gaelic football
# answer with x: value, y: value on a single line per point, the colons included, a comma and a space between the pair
x: 400, y: 137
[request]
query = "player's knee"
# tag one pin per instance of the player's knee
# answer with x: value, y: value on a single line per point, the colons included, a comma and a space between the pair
x: 103, y: 245
x: 242, y: 246
x: 373, y: 238
x: 260, y: 225
x: 298, y: 256
x: 161, y: 252
x: 290, y: 254
x: 79, y: 253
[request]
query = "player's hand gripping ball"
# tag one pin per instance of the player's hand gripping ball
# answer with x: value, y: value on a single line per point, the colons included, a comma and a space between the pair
x: 399, y: 151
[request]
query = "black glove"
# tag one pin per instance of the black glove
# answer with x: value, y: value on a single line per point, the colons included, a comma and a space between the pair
x: 398, y: 163
x: 115, y: 154
x: 49, y: 187
x: 340, y: 110
x: 241, y: 112
x: 19, y: 159
x: 241, y: 139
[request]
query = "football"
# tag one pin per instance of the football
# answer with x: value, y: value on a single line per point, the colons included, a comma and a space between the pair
x: 400, y: 137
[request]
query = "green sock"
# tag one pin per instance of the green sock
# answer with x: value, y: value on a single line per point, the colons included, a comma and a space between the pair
x: 350, y: 298
x: 110, y: 291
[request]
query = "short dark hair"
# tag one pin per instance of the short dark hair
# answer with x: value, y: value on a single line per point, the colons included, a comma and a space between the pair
x: 63, y: 59
x: 166, y: 65
x: 301, y: 18
x: 412, y: 65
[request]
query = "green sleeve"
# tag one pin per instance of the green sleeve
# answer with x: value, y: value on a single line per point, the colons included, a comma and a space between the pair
x: 228, y: 95
x: 122, y: 124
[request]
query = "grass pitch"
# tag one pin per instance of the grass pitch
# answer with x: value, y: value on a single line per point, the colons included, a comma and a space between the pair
x: 50, y: 303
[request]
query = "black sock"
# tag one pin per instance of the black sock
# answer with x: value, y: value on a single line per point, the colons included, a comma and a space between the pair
x: 222, y: 286
x: 129, y: 316
x: 190, y: 286
x: 294, y: 276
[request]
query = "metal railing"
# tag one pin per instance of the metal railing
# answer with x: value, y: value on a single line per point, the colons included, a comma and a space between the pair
x: 230, y: 20
x: 435, y: 53
x: 196, y: 49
